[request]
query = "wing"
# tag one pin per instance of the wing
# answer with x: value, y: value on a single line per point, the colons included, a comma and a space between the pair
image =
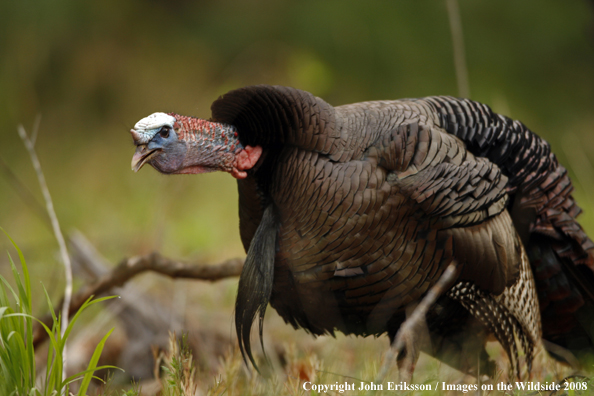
x: 540, y: 201
x: 464, y: 197
x: 536, y: 180
x: 457, y: 194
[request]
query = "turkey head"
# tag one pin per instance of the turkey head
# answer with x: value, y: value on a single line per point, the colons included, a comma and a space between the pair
x: 175, y: 144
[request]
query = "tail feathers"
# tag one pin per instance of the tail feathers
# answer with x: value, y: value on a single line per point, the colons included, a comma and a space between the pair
x: 566, y: 297
x: 557, y: 212
x: 255, y: 283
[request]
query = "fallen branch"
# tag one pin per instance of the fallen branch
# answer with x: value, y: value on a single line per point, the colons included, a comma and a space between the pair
x: 144, y: 319
x: 128, y: 268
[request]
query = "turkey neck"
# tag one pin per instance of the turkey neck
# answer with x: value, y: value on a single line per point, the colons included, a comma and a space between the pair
x: 204, y: 132
x: 220, y: 140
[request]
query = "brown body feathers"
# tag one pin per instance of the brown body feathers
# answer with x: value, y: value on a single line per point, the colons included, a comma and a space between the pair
x: 368, y: 204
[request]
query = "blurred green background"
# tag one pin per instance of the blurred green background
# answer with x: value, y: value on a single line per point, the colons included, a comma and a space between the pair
x: 91, y: 69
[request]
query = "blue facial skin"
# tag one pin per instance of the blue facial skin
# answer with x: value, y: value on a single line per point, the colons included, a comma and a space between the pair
x: 171, y: 152
x: 162, y: 138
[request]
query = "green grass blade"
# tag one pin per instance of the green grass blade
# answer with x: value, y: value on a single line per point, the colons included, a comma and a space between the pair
x: 78, y: 376
x: 93, y: 364
x: 7, y: 286
x: 50, y: 305
x: 54, y: 371
x: 25, y: 270
x: 17, y: 355
x: 26, y: 355
x: 28, y: 309
x: 86, y: 304
x: 17, y: 358
x: 55, y: 361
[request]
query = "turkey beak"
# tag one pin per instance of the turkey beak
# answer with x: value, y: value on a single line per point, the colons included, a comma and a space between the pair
x: 141, y: 156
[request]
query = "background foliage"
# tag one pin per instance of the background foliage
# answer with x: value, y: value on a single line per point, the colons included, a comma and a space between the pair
x: 91, y: 69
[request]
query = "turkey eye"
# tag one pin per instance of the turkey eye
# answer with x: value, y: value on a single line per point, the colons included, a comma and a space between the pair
x: 164, y: 132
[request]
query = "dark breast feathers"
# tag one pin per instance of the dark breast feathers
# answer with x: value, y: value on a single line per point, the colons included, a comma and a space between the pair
x: 370, y: 202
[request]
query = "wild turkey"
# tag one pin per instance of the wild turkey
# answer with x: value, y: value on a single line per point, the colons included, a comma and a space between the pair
x: 350, y: 214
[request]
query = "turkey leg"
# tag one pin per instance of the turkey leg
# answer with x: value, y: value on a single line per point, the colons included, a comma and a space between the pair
x: 406, y: 342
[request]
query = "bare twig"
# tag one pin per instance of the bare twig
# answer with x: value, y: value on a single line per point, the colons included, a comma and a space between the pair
x: 418, y: 316
x: 55, y: 226
x: 458, y: 44
x: 128, y: 268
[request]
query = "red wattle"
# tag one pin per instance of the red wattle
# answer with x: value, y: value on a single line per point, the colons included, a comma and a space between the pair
x: 245, y: 160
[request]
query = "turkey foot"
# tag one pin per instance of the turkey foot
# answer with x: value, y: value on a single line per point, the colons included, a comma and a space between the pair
x: 413, y: 336
x: 406, y: 342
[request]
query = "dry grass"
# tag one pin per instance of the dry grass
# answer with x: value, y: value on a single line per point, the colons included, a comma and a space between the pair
x: 334, y: 362
x: 295, y: 356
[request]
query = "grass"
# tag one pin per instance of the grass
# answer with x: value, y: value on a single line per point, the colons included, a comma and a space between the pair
x: 180, y: 377
x: 18, y: 372
x: 179, y: 369
x: 296, y: 356
x: 320, y: 361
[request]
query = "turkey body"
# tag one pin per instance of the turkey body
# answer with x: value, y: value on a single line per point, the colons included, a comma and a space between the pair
x: 350, y: 216
x: 355, y: 248
x: 374, y: 200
